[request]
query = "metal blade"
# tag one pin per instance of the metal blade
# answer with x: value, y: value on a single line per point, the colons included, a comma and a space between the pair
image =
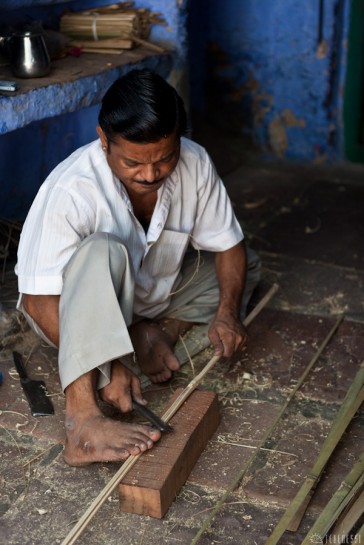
x: 35, y: 390
x: 152, y: 417
x: 37, y: 396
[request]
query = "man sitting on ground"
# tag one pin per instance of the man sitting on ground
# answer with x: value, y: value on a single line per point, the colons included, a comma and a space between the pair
x: 107, y: 262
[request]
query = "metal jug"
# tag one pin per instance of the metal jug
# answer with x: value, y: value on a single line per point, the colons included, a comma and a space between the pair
x: 28, y: 54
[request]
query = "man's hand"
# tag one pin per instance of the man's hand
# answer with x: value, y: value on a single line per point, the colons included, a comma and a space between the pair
x: 124, y: 386
x: 227, y: 335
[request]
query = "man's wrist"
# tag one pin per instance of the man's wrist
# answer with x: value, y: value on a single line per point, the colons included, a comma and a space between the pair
x: 226, y: 312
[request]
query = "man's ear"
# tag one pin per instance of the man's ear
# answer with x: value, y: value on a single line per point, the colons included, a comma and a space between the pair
x: 102, y: 137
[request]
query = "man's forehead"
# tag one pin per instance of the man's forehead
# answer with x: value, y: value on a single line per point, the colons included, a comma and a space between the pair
x: 148, y: 152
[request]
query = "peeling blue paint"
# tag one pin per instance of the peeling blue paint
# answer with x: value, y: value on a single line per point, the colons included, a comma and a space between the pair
x: 264, y: 58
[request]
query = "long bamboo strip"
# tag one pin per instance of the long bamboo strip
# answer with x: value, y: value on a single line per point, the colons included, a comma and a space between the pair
x: 349, y: 486
x: 147, y: 44
x: 349, y: 497
x: 268, y: 433
x: 359, y: 536
x: 336, y: 431
x: 353, y: 399
x: 102, y: 50
x: 78, y: 529
x: 101, y: 44
x: 348, y: 520
x: 80, y: 526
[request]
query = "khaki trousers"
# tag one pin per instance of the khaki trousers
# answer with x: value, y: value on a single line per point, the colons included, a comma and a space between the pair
x: 96, y: 304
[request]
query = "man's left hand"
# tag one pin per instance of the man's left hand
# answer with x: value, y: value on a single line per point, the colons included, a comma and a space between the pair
x: 227, y: 335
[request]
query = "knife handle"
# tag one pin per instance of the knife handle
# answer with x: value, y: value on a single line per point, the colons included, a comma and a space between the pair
x: 19, y: 365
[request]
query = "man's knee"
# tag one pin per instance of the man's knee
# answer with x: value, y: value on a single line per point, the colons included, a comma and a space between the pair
x: 100, y: 239
x: 98, y: 247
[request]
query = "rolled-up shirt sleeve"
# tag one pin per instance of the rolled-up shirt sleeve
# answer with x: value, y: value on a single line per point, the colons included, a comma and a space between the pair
x: 216, y: 227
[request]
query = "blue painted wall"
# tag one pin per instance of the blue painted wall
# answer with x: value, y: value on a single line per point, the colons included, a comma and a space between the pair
x: 274, y: 72
x: 257, y: 64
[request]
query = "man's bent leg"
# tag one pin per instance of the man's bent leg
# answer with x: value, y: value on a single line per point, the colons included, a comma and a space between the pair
x: 197, y: 300
x: 96, y: 306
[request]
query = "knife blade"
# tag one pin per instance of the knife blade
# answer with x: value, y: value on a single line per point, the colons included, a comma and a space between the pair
x: 142, y: 410
x: 35, y: 390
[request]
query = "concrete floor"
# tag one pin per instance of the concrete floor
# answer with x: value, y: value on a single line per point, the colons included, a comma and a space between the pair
x: 307, y: 224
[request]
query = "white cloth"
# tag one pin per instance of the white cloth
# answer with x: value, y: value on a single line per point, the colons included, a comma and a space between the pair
x: 82, y: 196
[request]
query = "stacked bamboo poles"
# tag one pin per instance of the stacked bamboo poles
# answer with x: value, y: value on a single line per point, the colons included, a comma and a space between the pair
x: 110, y: 29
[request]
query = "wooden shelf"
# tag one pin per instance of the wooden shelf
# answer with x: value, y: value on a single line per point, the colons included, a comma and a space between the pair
x: 73, y: 84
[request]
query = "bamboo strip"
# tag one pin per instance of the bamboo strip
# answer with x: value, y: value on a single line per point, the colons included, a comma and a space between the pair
x: 80, y: 526
x: 353, y: 399
x: 104, y: 36
x: 342, y: 420
x: 78, y: 529
x: 101, y: 44
x: 350, y: 495
x: 349, y: 487
x: 348, y: 520
x: 268, y: 433
x: 148, y: 45
x: 358, y: 536
x: 102, y: 50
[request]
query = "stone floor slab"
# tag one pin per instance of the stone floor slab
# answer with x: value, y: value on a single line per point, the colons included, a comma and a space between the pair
x: 325, y: 223
x: 282, y: 344
x: 312, y: 287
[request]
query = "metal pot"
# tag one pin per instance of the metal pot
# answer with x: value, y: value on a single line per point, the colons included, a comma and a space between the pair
x: 28, y: 54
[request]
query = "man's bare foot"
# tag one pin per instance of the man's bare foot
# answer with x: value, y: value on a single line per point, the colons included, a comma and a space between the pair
x: 94, y: 438
x: 154, y: 347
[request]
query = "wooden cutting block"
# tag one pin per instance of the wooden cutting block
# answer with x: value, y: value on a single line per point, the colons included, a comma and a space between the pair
x: 153, y: 482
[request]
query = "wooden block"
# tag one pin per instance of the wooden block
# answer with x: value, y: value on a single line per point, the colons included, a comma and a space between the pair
x: 153, y: 482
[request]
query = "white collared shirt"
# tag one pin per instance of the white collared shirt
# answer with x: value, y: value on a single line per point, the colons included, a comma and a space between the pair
x: 82, y: 196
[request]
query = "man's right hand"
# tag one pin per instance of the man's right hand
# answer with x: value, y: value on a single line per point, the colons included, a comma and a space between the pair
x: 124, y: 386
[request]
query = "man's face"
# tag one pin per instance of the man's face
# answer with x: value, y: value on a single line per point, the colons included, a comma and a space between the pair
x: 142, y: 168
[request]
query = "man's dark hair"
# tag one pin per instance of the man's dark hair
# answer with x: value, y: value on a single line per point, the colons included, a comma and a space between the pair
x: 142, y: 107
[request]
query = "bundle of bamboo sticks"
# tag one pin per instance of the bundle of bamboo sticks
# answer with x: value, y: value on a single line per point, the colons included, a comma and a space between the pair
x: 110, y: 29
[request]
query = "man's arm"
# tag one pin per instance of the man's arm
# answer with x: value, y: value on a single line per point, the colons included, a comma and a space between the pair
x: 226, y: 333
x: 44, y: 309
